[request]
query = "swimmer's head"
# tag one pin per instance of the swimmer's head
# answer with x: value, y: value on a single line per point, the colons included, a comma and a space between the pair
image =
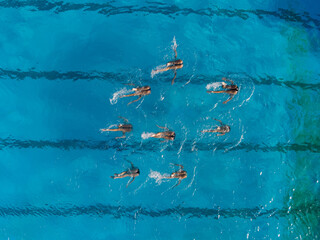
x: 171, y: 135
x: 228, y: 128
x: 179, y: 61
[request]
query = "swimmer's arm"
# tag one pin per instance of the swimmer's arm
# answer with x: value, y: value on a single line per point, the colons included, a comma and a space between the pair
x: 177, y: 184
x: 135, y: 100
x: 231, y: 96
x: 225, y: 79
x: 163, y: 127
x: 132, y: 166
x: 175, y: 75
x: 124, y: 119
x: 175, y: 53
x: 123, y: 135
x: 218, y: 121
x: 221, y: 134
x: 179, y: 165
x: 130, y: 181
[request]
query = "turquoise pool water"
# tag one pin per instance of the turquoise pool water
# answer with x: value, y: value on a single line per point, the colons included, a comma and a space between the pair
x: 63, y: 64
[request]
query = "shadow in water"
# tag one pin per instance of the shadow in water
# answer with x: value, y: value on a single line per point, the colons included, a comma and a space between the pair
x: 109, y: 9
x: 151, y: 146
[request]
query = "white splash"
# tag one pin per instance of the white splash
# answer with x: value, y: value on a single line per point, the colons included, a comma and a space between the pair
x: 117, y: 94
x: 157, y: 176
x: 237, y: 144
x: 155, y: 71
x: 145, y: 135
x: 213, y: 85
x: 174, y: 43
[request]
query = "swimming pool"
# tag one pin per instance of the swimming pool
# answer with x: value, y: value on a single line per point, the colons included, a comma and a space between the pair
x: 62, y: 64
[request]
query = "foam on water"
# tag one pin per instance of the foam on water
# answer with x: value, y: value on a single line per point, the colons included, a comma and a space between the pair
x: 213, y: 85
x: 117, y: 95
x: 145, y: 135
x: 174, y: 43
x: 155, y: 71
x: 157, y: 176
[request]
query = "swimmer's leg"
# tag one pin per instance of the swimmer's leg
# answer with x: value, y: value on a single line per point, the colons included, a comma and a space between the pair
x: 212, y: 131
x: 160, y: 70
x: 216, y: 91
x: 109, y: 130
x: 116, y: 175
x: 157, y: 135
x: 135, y: 100
x: 175, y: 75
x: 130, y: 181
x: 128, y: 95
x: 231, y: 96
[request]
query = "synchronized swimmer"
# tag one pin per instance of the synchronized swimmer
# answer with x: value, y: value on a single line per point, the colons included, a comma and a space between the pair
x: 180, y: 174
x: 124, y: 128
x: 172, y: 65
x: 232, y: 89
x: 138, y: 91
x: 223, y: 129
x: 167, y: 135
x: 132, y: 172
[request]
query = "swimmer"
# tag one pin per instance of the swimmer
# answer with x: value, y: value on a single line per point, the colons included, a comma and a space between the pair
x: 232, y: 89
x: 223, y: 129
x: 131, y: 172
x: 127, y: 127
x: 172, y: 65
x: 167, y: 135
x: 138, y: 91
x: 180, y: 174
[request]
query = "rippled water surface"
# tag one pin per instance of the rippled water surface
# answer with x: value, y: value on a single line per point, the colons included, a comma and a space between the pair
x: 64, y: 66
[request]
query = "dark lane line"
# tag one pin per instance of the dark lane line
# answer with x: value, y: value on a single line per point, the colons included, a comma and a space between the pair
x: 135, y: 212
x: 108, y: 9
x: 121, y: 78
x: 151, y: 145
